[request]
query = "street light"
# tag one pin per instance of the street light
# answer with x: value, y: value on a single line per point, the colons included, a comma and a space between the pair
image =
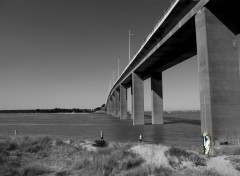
x: 129, y: 44
x: 118, y: 68
x: 113, y: 78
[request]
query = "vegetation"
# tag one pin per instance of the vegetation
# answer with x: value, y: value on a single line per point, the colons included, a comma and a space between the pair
x: 178, y: 155
x: 34, y: 169
x: 14, y: 150
x: 100, y: 143
x: 30, y: 156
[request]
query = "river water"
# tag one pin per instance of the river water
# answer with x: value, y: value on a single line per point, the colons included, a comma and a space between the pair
x: 179, y: 129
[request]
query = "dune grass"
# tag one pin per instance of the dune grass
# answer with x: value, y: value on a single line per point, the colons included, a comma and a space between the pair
x: 178, y: 155
x: 108, y: 161
x: 30, y: 156
x: 34, y: 169
x: 12, y: 153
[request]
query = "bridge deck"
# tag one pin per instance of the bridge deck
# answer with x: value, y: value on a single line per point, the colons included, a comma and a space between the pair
x: 173, y: 39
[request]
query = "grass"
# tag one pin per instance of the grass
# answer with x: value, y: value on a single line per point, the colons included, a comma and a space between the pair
x: 235, y: 162
x: 28, y: 156
x: 34, y: 169
x: 193, y: 172
x: 13, y: 150
x: 108, y: 161
x: 25, y: 144
x: 178, y: 155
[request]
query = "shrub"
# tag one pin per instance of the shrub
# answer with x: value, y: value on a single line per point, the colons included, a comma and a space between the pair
x: 8, y: 145
x: 197, y: 160
x: 177, y: 152
x: 59, y: 142
x: 100, y: 143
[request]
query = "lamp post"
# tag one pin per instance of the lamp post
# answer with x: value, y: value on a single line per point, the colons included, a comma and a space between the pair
x: 129, y: 45
x: 113, y: 78
x: 118, y: 68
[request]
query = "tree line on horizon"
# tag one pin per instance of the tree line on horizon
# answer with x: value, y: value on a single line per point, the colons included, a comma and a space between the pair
x: 55, y: 110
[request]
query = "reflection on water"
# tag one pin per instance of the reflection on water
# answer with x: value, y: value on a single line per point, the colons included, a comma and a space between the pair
x: 178, y: 129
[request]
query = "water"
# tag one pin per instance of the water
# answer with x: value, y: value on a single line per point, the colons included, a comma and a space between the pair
x: 179, y: 129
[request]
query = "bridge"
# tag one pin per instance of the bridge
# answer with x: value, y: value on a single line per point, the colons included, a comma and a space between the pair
x: 208, y: 29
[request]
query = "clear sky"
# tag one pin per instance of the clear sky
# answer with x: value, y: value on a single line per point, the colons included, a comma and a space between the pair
x: 61, y: 53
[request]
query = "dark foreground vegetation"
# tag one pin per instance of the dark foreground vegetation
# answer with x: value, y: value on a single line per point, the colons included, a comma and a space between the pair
x: 32, y: 156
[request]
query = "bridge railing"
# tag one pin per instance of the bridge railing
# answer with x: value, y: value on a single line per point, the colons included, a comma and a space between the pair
x: 157, y: 24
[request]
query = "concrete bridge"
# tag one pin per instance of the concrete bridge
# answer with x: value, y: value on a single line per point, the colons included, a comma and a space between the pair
x: 206, y: 28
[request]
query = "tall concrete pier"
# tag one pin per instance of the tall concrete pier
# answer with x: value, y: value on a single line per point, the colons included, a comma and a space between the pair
x: 123, y: 102
x: 208, y: 29
x: 138, y: 100
x: 157, y: 99
x: 218, y: 74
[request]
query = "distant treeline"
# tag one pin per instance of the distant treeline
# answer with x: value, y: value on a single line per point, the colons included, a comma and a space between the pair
x: 55, y: 110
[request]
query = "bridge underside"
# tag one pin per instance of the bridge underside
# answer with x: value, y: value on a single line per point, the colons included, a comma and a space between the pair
x: 209, y: 30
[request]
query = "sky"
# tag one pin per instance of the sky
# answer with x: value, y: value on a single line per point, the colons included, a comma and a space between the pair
x: 62, y: 53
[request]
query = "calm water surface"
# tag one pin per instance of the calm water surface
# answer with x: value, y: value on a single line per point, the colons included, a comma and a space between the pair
x: 178, y: 129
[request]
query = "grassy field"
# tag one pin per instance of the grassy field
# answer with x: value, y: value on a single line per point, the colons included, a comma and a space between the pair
x: 31, y: 156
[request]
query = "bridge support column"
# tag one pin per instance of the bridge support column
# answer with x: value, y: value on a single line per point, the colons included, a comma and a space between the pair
x: 157, y: 99
x: 131, y: 94
x: 107, y: 105
x: 218, y: 67
x: 138, y: 100
x: 117, y: 103
x: 110, y: 107
x: 123, y: 102
x: 113, y: 105
x: 238, y: 46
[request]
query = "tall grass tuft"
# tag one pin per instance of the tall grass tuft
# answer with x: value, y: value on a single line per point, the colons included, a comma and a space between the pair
x: 34, y: 145
x: 34, y: 169
x: 177, y: 155
x: 82, y: 163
